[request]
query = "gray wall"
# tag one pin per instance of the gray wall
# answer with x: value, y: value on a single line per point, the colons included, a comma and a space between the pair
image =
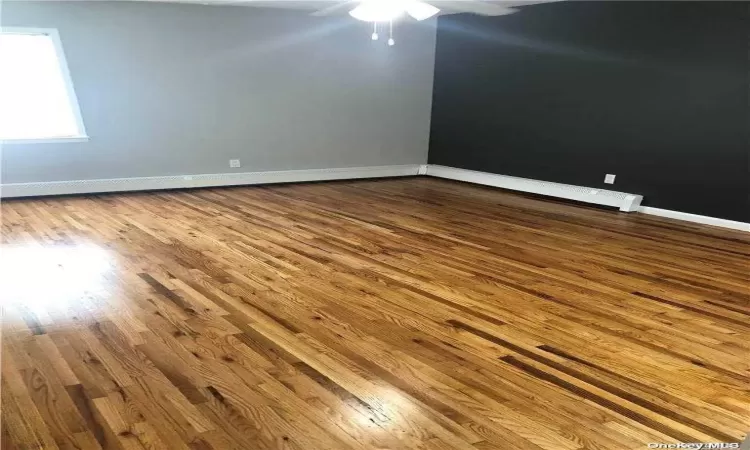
x: 168, y: 89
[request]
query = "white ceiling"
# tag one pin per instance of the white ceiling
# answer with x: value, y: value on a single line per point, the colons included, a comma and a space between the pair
x: 318, y: 4
x: 446, y: 6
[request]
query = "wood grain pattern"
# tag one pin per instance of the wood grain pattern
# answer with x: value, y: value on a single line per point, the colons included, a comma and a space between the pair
x: 391, y: 314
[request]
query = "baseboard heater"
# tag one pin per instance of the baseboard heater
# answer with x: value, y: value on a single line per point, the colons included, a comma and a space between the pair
x: 202, y: 180
x: 622, y: 200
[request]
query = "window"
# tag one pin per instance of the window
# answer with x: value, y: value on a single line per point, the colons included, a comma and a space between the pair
x: 37, y: 101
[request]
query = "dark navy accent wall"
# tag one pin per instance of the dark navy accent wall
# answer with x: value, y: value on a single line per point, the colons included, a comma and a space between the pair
x: 654, y: 92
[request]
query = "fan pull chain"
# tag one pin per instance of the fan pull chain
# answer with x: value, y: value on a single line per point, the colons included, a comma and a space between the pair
x: 391, y: 42
x: 375, y: 31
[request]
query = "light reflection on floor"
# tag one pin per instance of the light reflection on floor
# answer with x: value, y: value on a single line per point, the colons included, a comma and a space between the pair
x: 52, y: 282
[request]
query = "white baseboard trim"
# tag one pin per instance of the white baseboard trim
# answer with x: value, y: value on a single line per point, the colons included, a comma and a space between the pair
x: 202, y: 180
x: 624, y: 201
x: 706, y: 220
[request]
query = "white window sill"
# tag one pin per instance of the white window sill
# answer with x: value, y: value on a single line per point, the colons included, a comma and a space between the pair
x: 58, y: 140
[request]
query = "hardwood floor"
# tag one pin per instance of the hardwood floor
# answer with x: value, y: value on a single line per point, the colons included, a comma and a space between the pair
x: 404, y: 313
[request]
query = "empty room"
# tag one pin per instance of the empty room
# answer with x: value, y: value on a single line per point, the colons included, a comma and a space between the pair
x: 374, y: 224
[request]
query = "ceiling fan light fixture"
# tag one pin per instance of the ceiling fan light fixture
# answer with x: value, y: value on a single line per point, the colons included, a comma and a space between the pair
x: 421, y: 10
x: 377, y: 10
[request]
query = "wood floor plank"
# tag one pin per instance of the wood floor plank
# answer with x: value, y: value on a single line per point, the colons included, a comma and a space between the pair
x: 408, y: 313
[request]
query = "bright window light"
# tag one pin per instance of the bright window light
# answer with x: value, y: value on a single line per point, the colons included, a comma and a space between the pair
x: 37, y: 101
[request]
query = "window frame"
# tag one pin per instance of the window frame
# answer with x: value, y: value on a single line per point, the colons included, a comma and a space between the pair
x: 62, y: 62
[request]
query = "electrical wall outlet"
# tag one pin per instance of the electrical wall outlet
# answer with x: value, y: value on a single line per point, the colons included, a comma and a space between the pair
x: 234, y: 163
x: 609, y: 178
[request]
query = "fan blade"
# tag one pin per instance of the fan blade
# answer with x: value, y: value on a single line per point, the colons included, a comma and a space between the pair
x: 528, y: 2
x: 476, y: 7
x: 333, y: 9
x: 421, y: 10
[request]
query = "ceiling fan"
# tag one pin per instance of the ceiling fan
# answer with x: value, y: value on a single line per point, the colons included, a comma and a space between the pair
x: 420, y: 10
x: 379, y: 11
